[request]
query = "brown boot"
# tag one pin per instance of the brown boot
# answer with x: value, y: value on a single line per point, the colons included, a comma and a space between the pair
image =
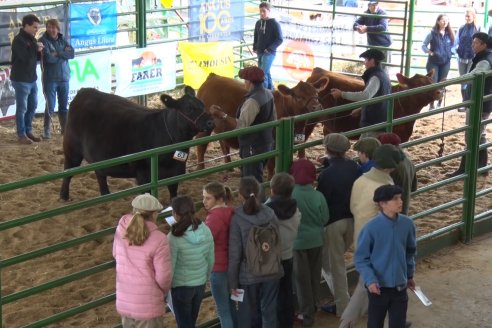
x: 33, y: 137
x: 25, y: 140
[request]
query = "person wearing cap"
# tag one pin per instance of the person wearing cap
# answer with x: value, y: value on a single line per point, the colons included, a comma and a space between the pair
x: 335, y: 183
x: 385, y: 258
x: 365, y: 148
x: 363, y: 208
x: 405, y: 174
x: 481, y: 62
x: 375, y: 25
x: 438, y: 45
x: 377, y: 83
x: 258, y: 107
x: 143, y: 265
x: 192, y: 250
x: 267, y: 38
x: 308, y: 244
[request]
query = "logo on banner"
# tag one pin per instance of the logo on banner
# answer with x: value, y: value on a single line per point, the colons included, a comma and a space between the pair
x: 94, y: 15
x: 146, y: 67
x: 298, y: 60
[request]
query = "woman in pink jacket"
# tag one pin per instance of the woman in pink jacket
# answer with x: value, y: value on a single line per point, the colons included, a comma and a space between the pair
x: 215, y: 198
x: 143, y: 265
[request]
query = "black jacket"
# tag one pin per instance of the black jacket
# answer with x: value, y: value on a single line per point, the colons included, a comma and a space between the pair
x: 24, y: 58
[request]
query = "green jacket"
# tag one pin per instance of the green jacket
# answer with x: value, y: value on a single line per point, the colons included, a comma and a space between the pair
x: 314, y: 216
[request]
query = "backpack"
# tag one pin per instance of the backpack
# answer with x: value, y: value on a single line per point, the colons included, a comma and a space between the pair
x: 263, y: 250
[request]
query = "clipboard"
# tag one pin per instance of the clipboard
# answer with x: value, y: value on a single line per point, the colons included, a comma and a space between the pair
x: 421, y: 296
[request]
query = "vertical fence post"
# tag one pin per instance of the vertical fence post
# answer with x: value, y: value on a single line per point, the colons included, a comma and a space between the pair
x: 389, y: 116
x: 284, y: 142
x: 408, y: 58
x: 154, y: 175
x: 472, y: 144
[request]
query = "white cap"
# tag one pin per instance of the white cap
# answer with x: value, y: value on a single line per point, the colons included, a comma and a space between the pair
x: 146, y: 202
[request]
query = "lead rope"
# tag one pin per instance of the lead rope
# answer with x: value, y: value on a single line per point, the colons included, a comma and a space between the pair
x: 440, y: 152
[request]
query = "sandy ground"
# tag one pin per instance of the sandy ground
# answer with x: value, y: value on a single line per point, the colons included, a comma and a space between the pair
x: 20, y: 161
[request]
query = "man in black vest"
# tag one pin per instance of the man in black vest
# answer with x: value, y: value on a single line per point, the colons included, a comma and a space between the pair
x: 377, y: 84
x: 258, y: 107
x: 482, y: 62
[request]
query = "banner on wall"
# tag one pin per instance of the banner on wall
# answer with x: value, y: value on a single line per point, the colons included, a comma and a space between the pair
x: 212, y: 20
x: 12, y: 22
x: 93, y: 24
x: 86, y: 71
x: 201, y: 59
x: 145, y: 70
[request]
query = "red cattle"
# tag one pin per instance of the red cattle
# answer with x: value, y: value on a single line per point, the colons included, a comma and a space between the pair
x: 404, y: 106
x: 229, y: 94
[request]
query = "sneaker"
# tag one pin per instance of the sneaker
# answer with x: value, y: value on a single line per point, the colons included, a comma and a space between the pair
x: 33, y: 137
x: 329, y: 308
x: 462, y: 109
x: 25, y: 140
x: 408, y: 324
x: 46, y: 135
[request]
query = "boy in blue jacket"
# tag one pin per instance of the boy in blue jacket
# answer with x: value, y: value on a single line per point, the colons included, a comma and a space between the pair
x: 385, y: 257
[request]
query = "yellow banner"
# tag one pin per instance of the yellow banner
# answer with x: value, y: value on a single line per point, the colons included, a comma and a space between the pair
x: 167, y: 3
x: 203, y: 58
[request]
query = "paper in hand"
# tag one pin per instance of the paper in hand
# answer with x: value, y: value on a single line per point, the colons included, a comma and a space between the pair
x: 239, y: 297
x: 170, y: 219
x: 418, y: 292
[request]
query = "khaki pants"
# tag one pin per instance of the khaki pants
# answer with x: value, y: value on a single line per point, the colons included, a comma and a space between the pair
x: 127, y: 322
x: 356, y: 308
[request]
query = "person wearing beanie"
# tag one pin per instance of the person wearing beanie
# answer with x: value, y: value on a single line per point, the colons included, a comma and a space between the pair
x: 385, y: 259
x: 365, y: 148
x: 481, y: 62
x: 335, y: 183
x: 143, y: 265
x: 308, y: 244
x: 266, y: 39
x: 258, y: 107
x: 405, y: 174
x: 377, y: 83
x: 362, y: 206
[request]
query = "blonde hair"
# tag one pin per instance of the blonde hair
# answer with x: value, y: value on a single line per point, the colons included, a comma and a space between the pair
x: 472, y: 11
x: 137, y: 231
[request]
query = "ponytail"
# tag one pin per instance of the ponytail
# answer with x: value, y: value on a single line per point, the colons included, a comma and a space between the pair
x: 249, y: 189
x: 218, y: 190
x: 137, y: 231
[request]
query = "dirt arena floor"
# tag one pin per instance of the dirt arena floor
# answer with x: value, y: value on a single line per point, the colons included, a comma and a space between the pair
x: 456, y: 280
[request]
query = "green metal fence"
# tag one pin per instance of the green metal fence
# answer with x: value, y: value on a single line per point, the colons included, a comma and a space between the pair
x: 470, y: 223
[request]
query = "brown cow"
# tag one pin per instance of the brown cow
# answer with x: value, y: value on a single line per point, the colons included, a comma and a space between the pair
x: 403, y: 106
x: 229, y: 94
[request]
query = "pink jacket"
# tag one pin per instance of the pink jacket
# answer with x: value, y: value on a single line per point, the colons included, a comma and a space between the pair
x: 218, y: 220
x: 143, y: 273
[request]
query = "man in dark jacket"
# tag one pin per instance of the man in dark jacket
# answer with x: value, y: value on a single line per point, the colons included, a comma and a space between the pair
x: 374, y: 26
x: 56, y: 74
x: 377, y: 83
x: 26, y: 51
x: 267, y: 37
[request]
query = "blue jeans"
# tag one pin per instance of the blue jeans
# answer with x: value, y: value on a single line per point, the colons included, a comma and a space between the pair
x: 226, y: 308
x: 186, y: 304
x: 390, y: 301
x: 265, y: 62
x: 259, y: 305
x: 26, y: 102
x: 440, y: 71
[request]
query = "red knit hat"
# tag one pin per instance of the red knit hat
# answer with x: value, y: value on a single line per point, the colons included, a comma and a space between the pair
x: 303, y: 171
x: 252, y: 73
x: 390, y: 138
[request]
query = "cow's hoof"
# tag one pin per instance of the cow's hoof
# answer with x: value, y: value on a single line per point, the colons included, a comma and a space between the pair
x: 61, y: 200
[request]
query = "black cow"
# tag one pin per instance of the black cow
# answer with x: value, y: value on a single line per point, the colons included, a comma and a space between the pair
x: 101, y: 126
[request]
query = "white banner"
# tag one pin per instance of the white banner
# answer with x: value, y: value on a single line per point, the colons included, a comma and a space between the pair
x: 87, y: 71
x: 145, y: 70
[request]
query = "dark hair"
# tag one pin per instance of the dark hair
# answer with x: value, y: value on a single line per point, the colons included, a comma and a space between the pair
x: 449, y: 31
x: 249, y: 189
x: 282, y: 184
x: 265, y: 5
x: 30, y: 19
x: 218, y: 190
x: 185, y: 208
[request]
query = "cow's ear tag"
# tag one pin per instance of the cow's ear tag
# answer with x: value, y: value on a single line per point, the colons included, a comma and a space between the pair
x: 298, y: 138
x: 180, y: 156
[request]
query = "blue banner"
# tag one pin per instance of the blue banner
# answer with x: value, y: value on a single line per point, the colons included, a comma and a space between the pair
x: 93, y: 25
x: 216, y: 20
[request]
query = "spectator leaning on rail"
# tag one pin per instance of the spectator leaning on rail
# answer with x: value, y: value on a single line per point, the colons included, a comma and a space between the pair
x: 26, y: 51
x: 374, y: 26
x: 56, y: 74
x: 482, y: 62
x: 377, y: 83
x: 258, y: 107
x: 267, y: 37
x: 464, y: 49
x: 143, y: 265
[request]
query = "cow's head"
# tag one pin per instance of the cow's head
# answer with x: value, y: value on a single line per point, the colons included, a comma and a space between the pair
x: 191, y: 109
x: 305, y: 96
x: 419, y: 80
